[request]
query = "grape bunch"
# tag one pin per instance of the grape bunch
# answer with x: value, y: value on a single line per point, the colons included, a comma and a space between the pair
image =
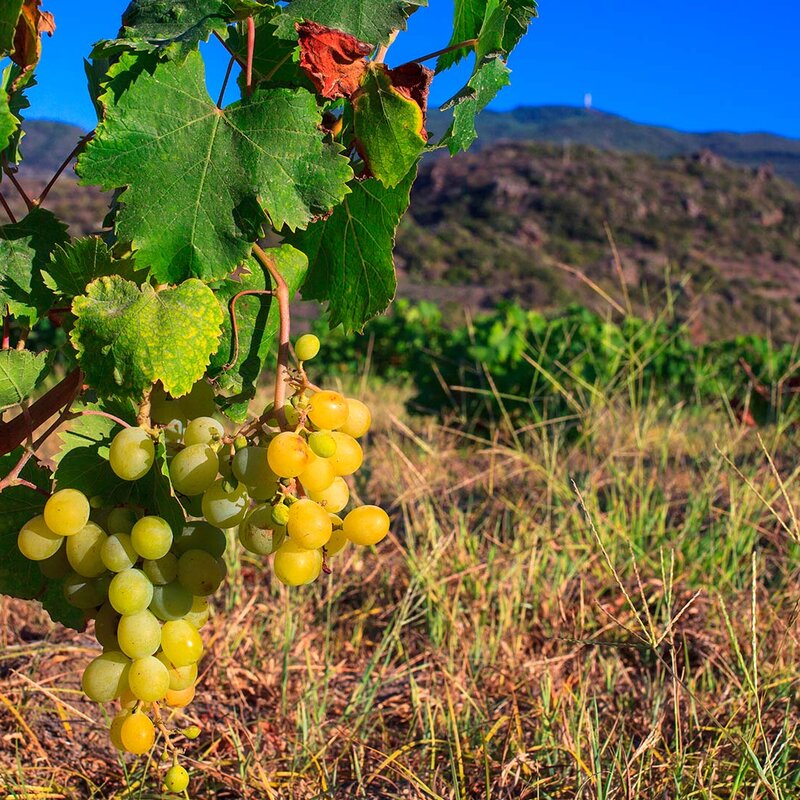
x: 279, y: 484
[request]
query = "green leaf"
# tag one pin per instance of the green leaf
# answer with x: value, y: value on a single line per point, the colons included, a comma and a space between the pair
x: 9, y: 14
x: 128, y: 338
x: 350, y: 253
x: 20, y: 577
x: 388, y: 127
x: 257, y: 321
x: 197, y: 174
x: 20, y: 373
x: 75, y: 266
x: 25, y: 249
x: 373, y: 22
x: 8, y: 122
x: 14, y: 85
x: 468, y: 17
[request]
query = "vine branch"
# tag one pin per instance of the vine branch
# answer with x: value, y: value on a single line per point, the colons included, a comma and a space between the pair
x: 449, y: 49
x: 82, y: 142
x: 251, y: 48
x: 225, y: 81
x: 235, y: 324
x: 13, y: 178
x: 7, y: 208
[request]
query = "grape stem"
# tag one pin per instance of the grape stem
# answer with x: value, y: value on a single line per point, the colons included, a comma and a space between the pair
x: 235, y: 324
x: 160, y: 725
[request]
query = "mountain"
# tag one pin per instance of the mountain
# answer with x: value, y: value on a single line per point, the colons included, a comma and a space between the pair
x: 46, y: 144
x: 569, y: 125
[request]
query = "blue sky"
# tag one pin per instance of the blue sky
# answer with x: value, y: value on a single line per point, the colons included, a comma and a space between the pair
x: 704, y: 65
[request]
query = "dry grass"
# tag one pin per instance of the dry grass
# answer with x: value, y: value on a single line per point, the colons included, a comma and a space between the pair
x: 603, y: 614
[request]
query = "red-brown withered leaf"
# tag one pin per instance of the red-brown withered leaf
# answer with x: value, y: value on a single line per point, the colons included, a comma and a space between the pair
x: 413, y: 81
x: 33, y: 22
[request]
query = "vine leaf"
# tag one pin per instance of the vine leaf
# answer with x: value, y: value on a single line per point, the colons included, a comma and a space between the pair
x: 390, y: 122
x: 350, y: 252
x: 198, y: 176
x: 9, y: 14
x: 8, y: 122
x: 128, y: 338
x: 20, y: 577
x: 31, y: 25
x: 334, y: 61
x: 25, y: 249
x: 257, y: 321
x: 12, y: 87
x: 373, y: 22
x: 20, y: 373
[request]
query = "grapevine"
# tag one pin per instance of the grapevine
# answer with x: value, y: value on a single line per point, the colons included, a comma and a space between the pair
x: 173, y: 318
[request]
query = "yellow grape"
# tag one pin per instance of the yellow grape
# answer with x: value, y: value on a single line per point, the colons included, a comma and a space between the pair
x: 348, y: 456
x: 359, y: 419
x: 306, y: 347
x: 334, y: 498
x: 180, y: 698
x: 177, y: 779
x: 224, y: 507
x: 131, y: 454
x: 337, y: 542
x: 288, y: 454
x: 130, y: 591
x: 200, y: 573
x: 137, y: 733
x: 66, y: 512
x: 151, y: 537
x: 318, y: 474
x: 179, y: 677
x: 106, y: 676
x: 366, y: 525
x: 148, y: 679
x: 127, y: 699
x: 194, y: 469
x: 309, y: 525
x: 327, y: 409
x: 84, y: 550
x: 181, y: 643
x: 294, y: 565
x: 199, y: 613
x: 115, y: 731
x: 36, y: 541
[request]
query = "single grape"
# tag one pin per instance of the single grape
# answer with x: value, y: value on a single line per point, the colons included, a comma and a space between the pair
x: 200, y: 536
x: 327, y: 409
x: 149, y: 678
x: 322, y: 444
x: 137, y: 733
x: 359, y: 419
x: 117, y: 552
x: 66, y: 512
x: 57, y: 565
x: 121, y: 520
x: 127, y: 699
x: 192, y: 731
x: 177, y: 779
x: 171, y: 601
x: 337, y: 542
x: 225, y: 466
x: 151, y: 537
x: 131, y: 454
x: 223, y: 508
x: 200, y: 401
x: 106, y: 676
x: 259, y: 534
x: 85, y: 593
x: 36, y: 541
x: 84, y: 550
x: 115, y: 731
x: 130, y: 591
x: 306, y: 347
x: 309, y: 525
x: 161, y: 571
x: 200, y: 573
x: 288, y: 454
x: 194, y: 469
x: 203, y: 430
x: 250, y: 468
x: 181, y: 643
x: 348, y: 456
x: 366, y: 525
x: 105, y: 627
x: 180, y: 678
x: 280, y: 514
x: 199, y: 613
x: 180, y: 698
x: 139, y: 634
x: 334, y: 498
x: 294, y: 565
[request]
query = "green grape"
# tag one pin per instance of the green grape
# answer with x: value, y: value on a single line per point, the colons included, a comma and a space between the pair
x: 84, y: 593
x: 180, y: 678
x: 131, y: 454
x: 57, y: 565
x: 171, y: 601
x: 177, y: 779
x: 139, y: 634
x: 117, y: 552
x: 335, y: 497
x: 106, y: 676
x: 318, y: 475
x: 309, y: 525
x: 366, y: 525
x: 294, y: 565
x: 203, y: 430
x: 151, y: 537
x: 121, y: 520
x: 36, y: 541
x: 66, y: 512
x: 359, y: 419
x: 181, y: 643
x: 259, y: 534
x: 280, y: 514
x: 194, y: 469
x: 322, y: 444
x: 223, y: 508
x: 161, y: 571
x: 105, y: 627
x: 84, y: 550
x: 200, y: 401
x: 192, y: 731
x: 225, y: 466
x: 200, y: 536
x: 137, y: 734
x: 348, y: 456
x: 200, y: 573
x: 200, y: 612
x: 327, y: 409
x: 288, y: 454
x: 130, y: 591
x: 306, y: 347
x: 149, y: 678
x: 250, y: 468
x: 338, y: 538
x: 114, y: 732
